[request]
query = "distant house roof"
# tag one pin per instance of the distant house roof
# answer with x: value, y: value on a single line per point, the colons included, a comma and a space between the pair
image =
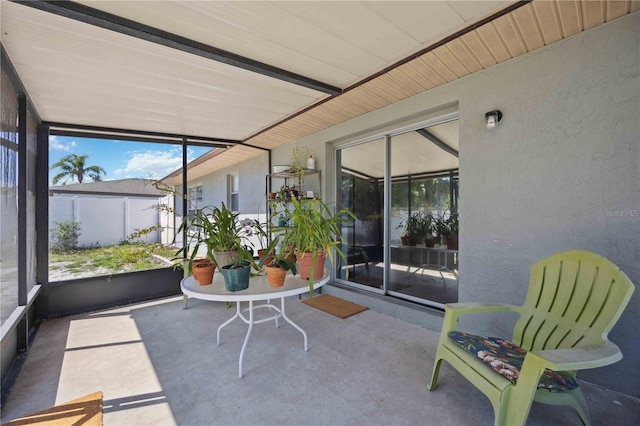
x: 120, y: 187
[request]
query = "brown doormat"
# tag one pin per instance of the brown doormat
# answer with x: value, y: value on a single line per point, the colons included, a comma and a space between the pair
x: 85, y: 411
x: 334, y: 306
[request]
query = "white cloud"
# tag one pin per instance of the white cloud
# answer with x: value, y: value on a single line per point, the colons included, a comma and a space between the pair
x: 56, y: 144
x: 150, y: 164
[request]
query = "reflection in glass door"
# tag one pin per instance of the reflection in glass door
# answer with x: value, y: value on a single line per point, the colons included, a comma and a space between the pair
x: 361, y: 189
x: 422, y: 168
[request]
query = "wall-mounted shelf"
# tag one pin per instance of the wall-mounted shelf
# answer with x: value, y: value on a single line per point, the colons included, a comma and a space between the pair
x: 303, y: 180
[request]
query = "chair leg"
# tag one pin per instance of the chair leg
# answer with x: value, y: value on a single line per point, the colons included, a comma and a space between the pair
x: 434, y: 375
x: 573, y: 398
x: 580, y: 405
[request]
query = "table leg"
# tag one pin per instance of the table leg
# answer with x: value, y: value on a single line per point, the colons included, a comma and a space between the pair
x: 227, y: 322
x: 272, y: 310
x: 185, y: 299
x: 246, y: 339
x: 284, y: 315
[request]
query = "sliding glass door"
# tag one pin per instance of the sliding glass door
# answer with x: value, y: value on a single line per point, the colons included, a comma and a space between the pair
x: 361, y: 189
x: 418, y: 168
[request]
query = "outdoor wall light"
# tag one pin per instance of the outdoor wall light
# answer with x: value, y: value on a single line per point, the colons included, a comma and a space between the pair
x: 492, y: 118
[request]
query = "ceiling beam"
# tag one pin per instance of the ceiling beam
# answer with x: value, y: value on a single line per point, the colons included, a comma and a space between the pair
x: 89, y: 15
x: 437, y: 142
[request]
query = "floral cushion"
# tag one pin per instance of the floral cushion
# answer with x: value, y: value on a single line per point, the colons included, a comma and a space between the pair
x: 506, y: 359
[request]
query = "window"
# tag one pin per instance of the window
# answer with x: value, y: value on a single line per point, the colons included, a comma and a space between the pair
x: 233, y: 184
x: 8, y: 199
x: 195, y: 199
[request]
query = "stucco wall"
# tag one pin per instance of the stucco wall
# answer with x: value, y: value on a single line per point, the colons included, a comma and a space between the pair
x: 556, y: 174
x: 562, y: 171
x: 251, y: 191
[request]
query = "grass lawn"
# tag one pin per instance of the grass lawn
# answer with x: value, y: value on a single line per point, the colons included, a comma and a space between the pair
x: 108, y: 260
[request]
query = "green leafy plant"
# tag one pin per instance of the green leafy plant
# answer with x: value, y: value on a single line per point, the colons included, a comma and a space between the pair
x: 442, y: 225
x: 446, y: 223
x: 218, y: 229
x: 411, y: 225
x: 64, y: 236
x: 453, y: 223
x: 274, y: 259
x: 252, y: 227
x: 74, y: 166
x: 314, y: 229
x: 426, y: 226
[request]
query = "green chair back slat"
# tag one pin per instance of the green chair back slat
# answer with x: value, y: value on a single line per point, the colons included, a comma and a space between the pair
x: 617, y: 298
x: 569, y: 301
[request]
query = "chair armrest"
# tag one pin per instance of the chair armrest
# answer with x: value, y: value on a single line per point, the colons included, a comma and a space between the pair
x: 453, y: 311
x: 479, y: 307
x: 579, y: 358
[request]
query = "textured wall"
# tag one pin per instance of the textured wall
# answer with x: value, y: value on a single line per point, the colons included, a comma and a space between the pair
x: 561, y: 172
x: 251, y: 191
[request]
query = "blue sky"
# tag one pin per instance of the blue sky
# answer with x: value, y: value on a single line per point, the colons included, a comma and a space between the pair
x: 121, y: 159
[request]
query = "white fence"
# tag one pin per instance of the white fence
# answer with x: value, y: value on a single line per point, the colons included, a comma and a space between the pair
x: 106, y: 221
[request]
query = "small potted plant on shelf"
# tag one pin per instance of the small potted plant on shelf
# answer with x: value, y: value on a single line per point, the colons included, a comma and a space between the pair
x: 277, y: 264
x: 314, y: 233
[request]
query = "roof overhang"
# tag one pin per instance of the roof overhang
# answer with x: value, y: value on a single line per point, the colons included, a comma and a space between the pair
x: 260, y: 74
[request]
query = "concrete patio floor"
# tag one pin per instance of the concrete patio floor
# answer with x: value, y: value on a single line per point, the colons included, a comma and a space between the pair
x: 158, y: 364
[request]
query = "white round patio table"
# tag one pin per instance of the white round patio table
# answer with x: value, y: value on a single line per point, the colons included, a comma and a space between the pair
x: 259, y: 290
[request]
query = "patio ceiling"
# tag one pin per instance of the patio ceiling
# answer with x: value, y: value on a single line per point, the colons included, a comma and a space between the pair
x: 262, y: 73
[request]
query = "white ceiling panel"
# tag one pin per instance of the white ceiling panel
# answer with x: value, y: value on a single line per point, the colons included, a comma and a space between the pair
x: 336, y: 42
x: 473, y: 10
x: 70, y: 66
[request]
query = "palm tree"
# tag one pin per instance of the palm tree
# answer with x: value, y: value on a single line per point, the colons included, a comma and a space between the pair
x: 74, y: 166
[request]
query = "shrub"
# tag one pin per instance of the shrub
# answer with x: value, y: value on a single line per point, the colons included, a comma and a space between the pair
x: 64, y: 236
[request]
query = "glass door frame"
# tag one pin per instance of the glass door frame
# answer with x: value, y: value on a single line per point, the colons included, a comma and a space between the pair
x: 386, y: 135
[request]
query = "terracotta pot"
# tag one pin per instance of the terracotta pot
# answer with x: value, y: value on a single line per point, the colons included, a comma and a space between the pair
x: 276, y: 276
x: 272, y: 195
x: 304, y: 264
x: 262, y: 253
x: 204, y: 273
x: 194, y: 271
x: 291, y: 257
x: 412, y: 241
x: 430, y: 242
x: 452, y: 242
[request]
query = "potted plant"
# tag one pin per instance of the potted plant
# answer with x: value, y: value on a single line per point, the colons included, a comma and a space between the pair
x: 441, y: 225
x: 452, y: 236
x: 237, y: 274
x: 203, y: 270
x: 314, y: 233
x: 252, y: 228
x: 411, y: 227
x: 217, y: 229
x: 427, y: 226
x: 277, y: 265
